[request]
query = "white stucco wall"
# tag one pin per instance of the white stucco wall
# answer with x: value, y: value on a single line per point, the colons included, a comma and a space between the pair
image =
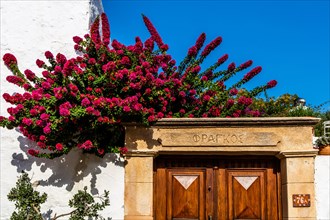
x: 322, y: 187
x: 28, y: 29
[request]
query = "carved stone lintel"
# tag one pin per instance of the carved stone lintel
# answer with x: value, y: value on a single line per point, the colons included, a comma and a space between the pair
x: 237, y: 122
x: 177, y: 138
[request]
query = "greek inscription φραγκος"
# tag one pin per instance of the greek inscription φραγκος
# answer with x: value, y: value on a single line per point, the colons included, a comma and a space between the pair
x: 218, y: 138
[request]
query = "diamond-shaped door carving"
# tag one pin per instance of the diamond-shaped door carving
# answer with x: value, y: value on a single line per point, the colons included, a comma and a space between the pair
x: 246, y: 181
x: 185, y: 181
x: 247, y: 194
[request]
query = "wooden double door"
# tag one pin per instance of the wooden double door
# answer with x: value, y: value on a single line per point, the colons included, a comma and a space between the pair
x: 216, y: 188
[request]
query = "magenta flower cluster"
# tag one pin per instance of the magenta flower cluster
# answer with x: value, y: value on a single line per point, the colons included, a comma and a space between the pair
x: 82, y: 102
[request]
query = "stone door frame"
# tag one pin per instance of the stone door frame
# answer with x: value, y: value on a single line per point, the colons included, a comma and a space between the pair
x: 289, y: 139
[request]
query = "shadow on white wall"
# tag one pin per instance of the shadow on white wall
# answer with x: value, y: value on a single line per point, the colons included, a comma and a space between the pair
x: 66, y: 170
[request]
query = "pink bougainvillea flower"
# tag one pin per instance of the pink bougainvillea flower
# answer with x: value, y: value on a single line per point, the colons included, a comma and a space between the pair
x: 117, y: 45
x: 90, y: 110
x: 192, y: 51
x: 182, y: 111
x: 204, y: 115
x: 206, y: 97
x: 30, y: 75
x: 49, y: 55
x: 160, y: 115
x: 231, y: 67
x: 33, y: 152
x: 40, y: 63
x: 149, y: 44
x: 68, y: 67
x: 15, y: 80
x: 61, y: 59
x: 59, y: 147
x: 47, y: 129
x: 2, y: 118
x: 77, y: 47
x: 105, y: 29
x: 27, y: 121
x: 33, y: 112
x: 154, y: 33
x: 57, y: 69
x: 123, y: 150
x: 236, y: 115
x: 46, y: 85
x: 95, y: 33
x: 13, y: 111
x: 246, y: 64
x: 137, y: 106
x: 233, y: 91
x: 110, y: 66
x: 245, y: 100
x: 196, y: 69
x: 87, y: 145
x: 73, y: 87
x: 125, y: 61
x: 222, y: 59
x: 164, y: 47
x: 192, y: 92
x: 211, y: 46
x: 126, y: 109
x: 151, y: 118
x: 85, y: 102
x: 100, y: 151
x: 271, y: 84
x: 9, y: 59
x: 77, y: 39
x: 230, y: 103
x: 252, y: 73
x: 45, y: 74
x: 64, y: 112
x: 41, y: 109
x: 41, y: 144
x: 200, y: 41
x: 37, y: 95
x: 7, y: 97
x: 204, y: 78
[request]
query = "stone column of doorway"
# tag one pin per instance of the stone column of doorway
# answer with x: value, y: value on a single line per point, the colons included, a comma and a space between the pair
x: 297, y: 177
x: 139, y: 186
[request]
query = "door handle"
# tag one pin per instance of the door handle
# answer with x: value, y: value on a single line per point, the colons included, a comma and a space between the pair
x: 210, y: 217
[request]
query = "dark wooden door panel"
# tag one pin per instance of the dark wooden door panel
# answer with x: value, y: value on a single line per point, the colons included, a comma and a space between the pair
x: 186, y: 194
x: 160, y: 193
x: 190, y: 188
x: 246, y: 194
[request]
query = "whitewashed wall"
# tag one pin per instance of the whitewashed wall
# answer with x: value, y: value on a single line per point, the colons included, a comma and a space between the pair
x: 322, y: 187
x: 28, y: 29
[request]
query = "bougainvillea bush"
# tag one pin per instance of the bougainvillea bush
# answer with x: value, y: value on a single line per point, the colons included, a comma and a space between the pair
x: 82, y: 102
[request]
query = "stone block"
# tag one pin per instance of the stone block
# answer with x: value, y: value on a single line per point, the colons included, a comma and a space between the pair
x: 138, y: 199
x: 297, y: 170
x: 287, y: 201
x: 139, y: 170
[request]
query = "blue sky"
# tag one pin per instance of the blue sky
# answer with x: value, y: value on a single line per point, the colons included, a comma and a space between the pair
x: 289, y: 39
